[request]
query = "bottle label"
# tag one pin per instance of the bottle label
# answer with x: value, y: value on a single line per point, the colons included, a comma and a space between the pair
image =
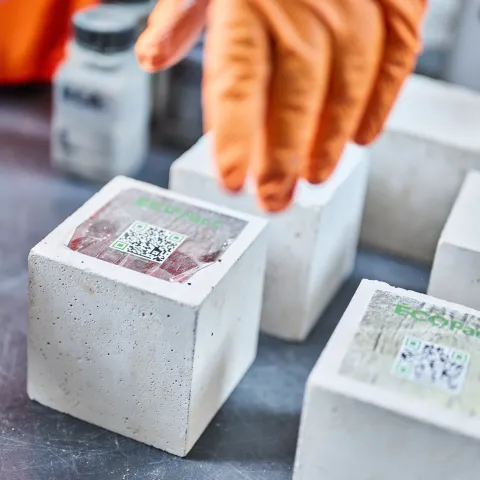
x: 82, y: 129
x: 83, y: 150
x: 84, y: 99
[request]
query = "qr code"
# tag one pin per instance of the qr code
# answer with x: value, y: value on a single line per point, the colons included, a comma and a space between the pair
x: 148, y: 241
x: 431, y: 364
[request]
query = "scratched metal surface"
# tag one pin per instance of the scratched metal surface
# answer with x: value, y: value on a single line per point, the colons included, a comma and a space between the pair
x: 254, y: 435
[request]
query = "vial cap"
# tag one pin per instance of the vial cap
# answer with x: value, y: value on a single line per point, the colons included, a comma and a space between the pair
x: 105, y: 29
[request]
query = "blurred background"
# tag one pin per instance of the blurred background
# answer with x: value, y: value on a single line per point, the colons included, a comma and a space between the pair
x: 35, y: 34
x: 76, y: 110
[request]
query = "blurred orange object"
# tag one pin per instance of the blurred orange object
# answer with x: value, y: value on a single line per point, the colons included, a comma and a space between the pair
x: 33, y: 36
x: 287, y: 83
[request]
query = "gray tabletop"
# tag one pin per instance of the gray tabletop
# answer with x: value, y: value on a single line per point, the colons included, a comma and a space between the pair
x: 254, y: 435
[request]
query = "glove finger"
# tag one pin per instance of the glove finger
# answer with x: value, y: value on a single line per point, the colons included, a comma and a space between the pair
x: 355, y: 62
x: 173, y: 29
x: 236, y: 72
x: 298, y: 87
x: 399, y: 59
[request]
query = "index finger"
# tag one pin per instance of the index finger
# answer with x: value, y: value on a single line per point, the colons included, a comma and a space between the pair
x: 399, y: 58
x: 236, y: 73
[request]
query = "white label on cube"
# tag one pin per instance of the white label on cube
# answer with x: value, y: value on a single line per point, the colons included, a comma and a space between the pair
x: 148, y: 241
x: 419, y: 349
x: 431, y: 364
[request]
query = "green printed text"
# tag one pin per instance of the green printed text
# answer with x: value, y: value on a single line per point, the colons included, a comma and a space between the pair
x: 189, y: 215
x: 436, y: 320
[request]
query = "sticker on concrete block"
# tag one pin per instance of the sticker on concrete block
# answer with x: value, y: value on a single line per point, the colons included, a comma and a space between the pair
x: 431, y: 364
x: 148, y: 242
x: 419, y: 349
x: 156, y: 235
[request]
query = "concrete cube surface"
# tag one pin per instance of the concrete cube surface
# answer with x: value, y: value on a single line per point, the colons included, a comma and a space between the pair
x: 430, y: 142
x: 456, y: 269
x: 396, y: 392
x: 151, y: 356
x: 312, y: 246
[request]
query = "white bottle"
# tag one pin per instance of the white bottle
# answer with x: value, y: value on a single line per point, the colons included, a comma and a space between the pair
x: 463, y: 67
x: 100, y: 126
x: 141, y: 10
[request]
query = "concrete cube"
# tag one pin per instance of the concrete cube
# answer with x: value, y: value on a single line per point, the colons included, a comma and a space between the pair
x: 145, y: 332
x: 395, y: 394
x: 418, y: 165
x: 456, y: 269
x: 312, y: 246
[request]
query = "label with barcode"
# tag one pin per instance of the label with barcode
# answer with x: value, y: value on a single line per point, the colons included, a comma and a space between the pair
x: 148, y: 241
x: 431, y: 364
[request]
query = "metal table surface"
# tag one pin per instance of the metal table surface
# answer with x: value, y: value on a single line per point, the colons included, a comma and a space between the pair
x: 254, y: 435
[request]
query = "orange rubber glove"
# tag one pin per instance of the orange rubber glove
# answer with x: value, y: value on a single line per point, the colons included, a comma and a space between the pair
x: 287, y: 83
x: 33, y: 35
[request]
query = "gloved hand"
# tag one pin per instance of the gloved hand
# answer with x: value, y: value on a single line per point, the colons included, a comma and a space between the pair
x: 33, y: 36
x: 287, y: 83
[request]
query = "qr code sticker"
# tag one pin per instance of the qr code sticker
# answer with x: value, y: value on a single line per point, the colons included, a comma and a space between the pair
x: 148, y: 241
x: 431, y: 364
